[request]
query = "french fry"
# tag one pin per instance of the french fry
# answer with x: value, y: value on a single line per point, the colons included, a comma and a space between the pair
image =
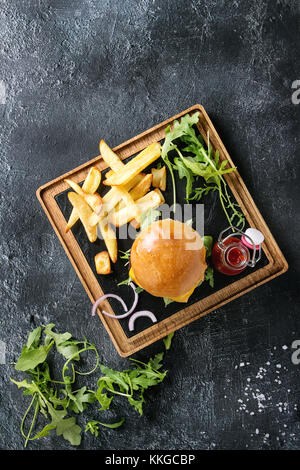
x: 109, y: 173
x: 135, y: 166
x: 139, y: 190
x: 136, y: 193
x: 102, y: 263
x: 151, y: 200
x: 110, y: 239
x: 93, y: 200
x: 90, y: 185
x: 129, y: 202
x: 159, y: 178
x: 110, y: 157
x: 113, y: 197
x: 84, y: 211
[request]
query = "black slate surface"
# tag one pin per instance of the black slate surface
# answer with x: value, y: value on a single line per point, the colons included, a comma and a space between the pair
x: 75, y: 72
x: 212, y: 220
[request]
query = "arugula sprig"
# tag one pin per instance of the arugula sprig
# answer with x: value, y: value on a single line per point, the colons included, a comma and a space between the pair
x: 56, y: 400
x: 93, y: 426
x: 196, y: 160
x: 126, y: 256
x: 129, y: 383
x: 52, y: 402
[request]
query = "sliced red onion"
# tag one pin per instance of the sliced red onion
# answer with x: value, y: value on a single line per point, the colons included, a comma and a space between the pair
x: 107, y: 296
x: 136, y: 298
x: 142, y: 313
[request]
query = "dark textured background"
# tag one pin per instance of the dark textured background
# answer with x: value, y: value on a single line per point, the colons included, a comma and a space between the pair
x: 77, y: 71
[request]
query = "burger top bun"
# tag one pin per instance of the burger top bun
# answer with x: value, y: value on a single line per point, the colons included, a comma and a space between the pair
x: 168, y: 259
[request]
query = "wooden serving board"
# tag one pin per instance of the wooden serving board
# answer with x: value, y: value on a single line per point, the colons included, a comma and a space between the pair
x: 53, y: 194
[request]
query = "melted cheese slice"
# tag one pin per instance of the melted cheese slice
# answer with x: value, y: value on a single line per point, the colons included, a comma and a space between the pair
x: 182, y: 298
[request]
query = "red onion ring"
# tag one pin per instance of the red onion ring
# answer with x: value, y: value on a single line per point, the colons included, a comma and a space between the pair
x: 107, y: 296
x: 142, y: 313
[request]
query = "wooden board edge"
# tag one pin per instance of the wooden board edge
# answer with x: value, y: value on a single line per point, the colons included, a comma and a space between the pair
x: 166, y: 330
x: 125, y: 352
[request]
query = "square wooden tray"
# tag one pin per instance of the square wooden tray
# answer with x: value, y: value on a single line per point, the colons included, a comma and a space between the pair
x: 126, y: 346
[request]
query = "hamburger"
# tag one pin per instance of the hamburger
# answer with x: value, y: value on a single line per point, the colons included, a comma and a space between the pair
x: 168, y: 259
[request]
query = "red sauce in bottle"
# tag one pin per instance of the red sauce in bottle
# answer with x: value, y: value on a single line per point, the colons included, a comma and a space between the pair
x: 231, y: 258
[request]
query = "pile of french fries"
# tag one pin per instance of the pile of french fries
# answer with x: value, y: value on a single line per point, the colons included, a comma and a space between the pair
x: 129, y: 197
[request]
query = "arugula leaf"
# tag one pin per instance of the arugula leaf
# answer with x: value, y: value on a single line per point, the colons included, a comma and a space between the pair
x: 209, y: 276
x: 167, y: 301
x: 125, y: 255
x: 203, y: 191
x: 30, y: 358
x: 168, y: 341
x: 79, y: 399
x: 102, y: 397
x: 208, y: 242
x: 93, y: 426
x: 196, y: 162
x: 70, y: 430
x: 34, y: 338
x: 119, y: 378
x: 139, y: 289
x: 137, y: 403
x: 44, y: 432
x: 112, y: 425
x: 179, y: 130
x: 184, y: 172
x: 31, y: 387
x: 64, y: 345
x: 130, y: 383
x: 126, y: 282
x: 45, y: 399
x: 55, y: 403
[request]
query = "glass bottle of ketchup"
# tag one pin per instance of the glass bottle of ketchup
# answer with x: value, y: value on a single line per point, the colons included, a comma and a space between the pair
x: 231, y: 255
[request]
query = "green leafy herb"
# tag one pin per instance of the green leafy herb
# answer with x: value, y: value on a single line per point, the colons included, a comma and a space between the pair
x: 93, y: 426
x: 70, y: 430
x: 196, y: 160
x: 139, y: 289
x: 167, y: 301
x: 208, y: 242
x: 54, y: 399
x: 126, y: 282
x: 203, y: 191
x: 209, y: 276
x: 179, y: 130
x: 185, y: 172
x: 64, y: 343
x: 57, y: 399
x: 125, y: 255
x: 129, y: 383
x: 32, y: 357
x: 168, y: 341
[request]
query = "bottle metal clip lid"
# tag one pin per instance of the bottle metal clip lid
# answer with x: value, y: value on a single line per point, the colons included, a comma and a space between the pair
x: 252, y: 239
